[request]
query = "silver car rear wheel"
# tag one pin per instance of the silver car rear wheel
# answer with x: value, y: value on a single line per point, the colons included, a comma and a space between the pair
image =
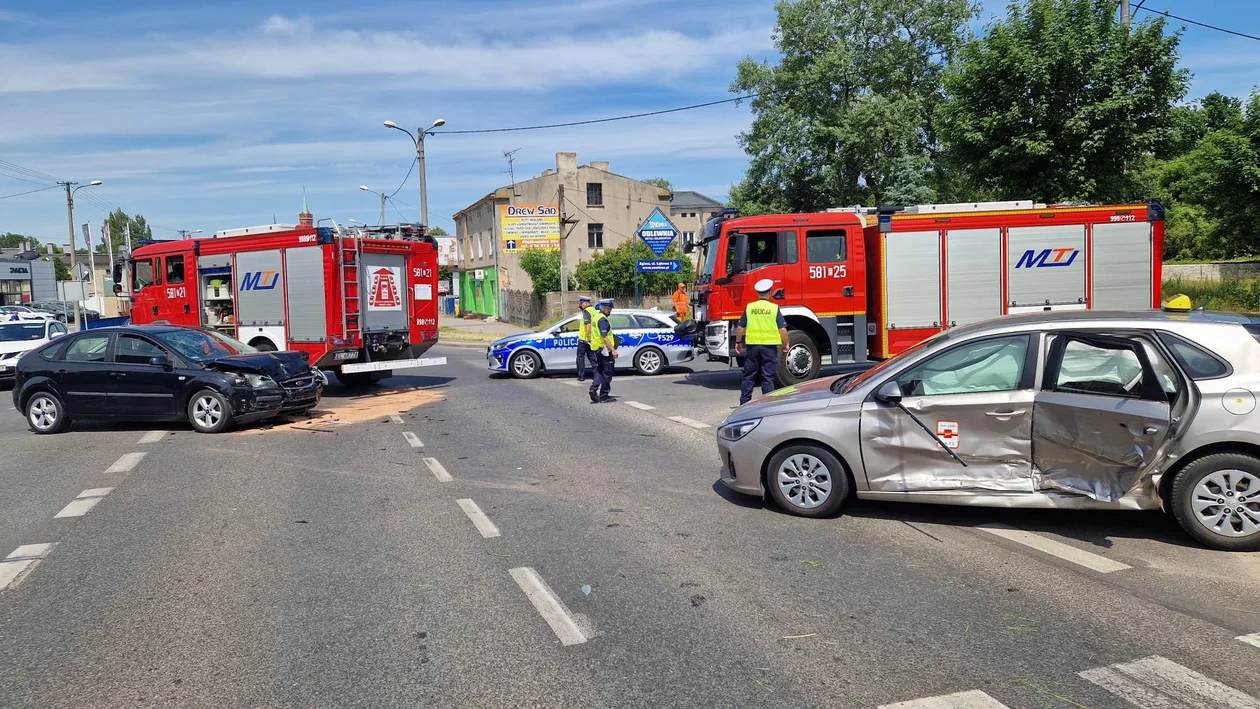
x: 807, y: 480
x: 1217, y: 501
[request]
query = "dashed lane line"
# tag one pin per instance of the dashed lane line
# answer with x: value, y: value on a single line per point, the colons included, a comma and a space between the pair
x: 18, y: 564
x: 86, y: 500
x: 975, y: 699
x: 689, y: 422
x: 548, y: 606
x: 395, y: 418
x: 413, y: 439
x: 1253, y: 639
x: 126, y: 462
x: 1089, y: 560
x: 639, y: 405
x: 151, y: 437
x: 438, y: 471
x: 1159, y: 683
x: 478, y: 518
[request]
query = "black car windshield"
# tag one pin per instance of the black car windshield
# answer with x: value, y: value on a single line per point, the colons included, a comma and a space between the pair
x: 200, y: 345
x: 844, y: 386
x: 20, y: 332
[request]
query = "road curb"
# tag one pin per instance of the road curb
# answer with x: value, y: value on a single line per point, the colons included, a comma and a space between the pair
x: 467, y: 345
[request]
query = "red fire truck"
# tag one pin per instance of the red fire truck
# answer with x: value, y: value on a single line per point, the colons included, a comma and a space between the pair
x: 857, y: 285
x: 360, y: 307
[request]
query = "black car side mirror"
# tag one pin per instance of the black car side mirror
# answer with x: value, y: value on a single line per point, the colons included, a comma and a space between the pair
x: 160, y: 361
x: 889, y: 393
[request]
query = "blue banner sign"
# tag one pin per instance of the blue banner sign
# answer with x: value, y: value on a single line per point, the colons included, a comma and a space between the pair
x: 659, y: 266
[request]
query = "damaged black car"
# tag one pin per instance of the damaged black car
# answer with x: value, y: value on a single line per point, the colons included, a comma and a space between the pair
x: 160, y: 373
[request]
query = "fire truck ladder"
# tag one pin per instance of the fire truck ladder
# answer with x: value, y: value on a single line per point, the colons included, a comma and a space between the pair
x: 350, y: 255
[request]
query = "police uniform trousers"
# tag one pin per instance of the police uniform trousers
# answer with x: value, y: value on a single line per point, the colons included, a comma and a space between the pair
x: 585, y: 354
x: 760, y: 362
x: 603, y: 371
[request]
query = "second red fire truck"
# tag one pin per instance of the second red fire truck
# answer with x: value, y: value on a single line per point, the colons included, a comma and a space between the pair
x: 360, y: 307
x: 857, y: 285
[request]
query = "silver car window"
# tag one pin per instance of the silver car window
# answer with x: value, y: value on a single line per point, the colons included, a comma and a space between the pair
x: 1090, y: 369
x: 1163, y: 370
x: 571, y: 326
x: 620, y: 321
x: 984, y: 366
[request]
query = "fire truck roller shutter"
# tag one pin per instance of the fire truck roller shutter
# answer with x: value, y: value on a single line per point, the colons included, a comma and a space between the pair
x: 304, y: 277
x: 384, y: 287
x: 1045, y: 265
x: 973, y: 274
x: 260, y: 298
x: 912, y: 279
x: 1122, y: 266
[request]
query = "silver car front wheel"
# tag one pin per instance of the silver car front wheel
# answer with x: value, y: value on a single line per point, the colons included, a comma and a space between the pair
x: 807, y: 480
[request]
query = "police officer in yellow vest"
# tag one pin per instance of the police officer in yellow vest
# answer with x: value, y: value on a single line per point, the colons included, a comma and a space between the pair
x: 759, y: 337
x: 604, y: 345
x: 584, y: 352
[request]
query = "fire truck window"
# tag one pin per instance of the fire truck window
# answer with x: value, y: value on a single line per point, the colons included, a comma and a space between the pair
x: 826, y: 246
x: 143, y: 274
x: 174, y: 270
x: 790, y: 247
x: 763, y: 248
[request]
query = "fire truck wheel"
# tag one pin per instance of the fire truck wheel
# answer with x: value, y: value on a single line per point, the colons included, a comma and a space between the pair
x: 801, y: 363
x: 262, y: 345
x: 525, y: 365
x: 209, y: 412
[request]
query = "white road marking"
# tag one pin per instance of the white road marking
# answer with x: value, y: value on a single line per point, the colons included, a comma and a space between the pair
x: 15, y: 566
x: 412, y: 439
x: 689, y: 422
x: 575, y: 383
x: 638, y: 405
x: 1159, y: 683
x: 975, y: 699
x: 479, y: 518
x: 1089, y: 560
x: 438, y: 471
x: 395, y: 418
x: 548, y: 606
x: 126, y: 463
x: 1253, y: 639
x: 151, y: 437
x: 86, y: 500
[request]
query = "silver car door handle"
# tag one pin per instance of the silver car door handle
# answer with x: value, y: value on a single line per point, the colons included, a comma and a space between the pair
x: 1151, y: 430
x: 1006, y: 414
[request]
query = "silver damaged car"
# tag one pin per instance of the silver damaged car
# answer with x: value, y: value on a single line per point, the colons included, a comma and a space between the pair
x: 1084, y: 410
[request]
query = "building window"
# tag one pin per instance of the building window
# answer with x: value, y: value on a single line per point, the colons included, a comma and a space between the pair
x: 594, y: 194
x: 595, y: 236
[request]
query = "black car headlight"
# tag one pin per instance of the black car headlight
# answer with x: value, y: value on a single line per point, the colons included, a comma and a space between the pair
x: 737, y: 430
x: 259, y: 381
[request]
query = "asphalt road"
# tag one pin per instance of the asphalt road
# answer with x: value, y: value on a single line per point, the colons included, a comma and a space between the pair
x: 523, y: 547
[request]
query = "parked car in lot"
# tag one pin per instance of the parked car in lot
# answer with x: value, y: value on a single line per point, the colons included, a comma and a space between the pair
x: 648, y: 344
x: 1113, y: 410
x: 160, y: 373
x: 64, y: 310
x: 22, y: 312
x: 18, y: 338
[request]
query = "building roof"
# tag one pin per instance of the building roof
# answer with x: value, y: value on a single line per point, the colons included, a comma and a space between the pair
x: 693, y: 200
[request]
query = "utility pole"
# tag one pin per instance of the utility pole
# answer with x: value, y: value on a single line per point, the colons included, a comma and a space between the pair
x: 424, y: 192
x: 564, y: 280
x: 382, y: 220
x: 1124, y: 13
x: 73, y: 256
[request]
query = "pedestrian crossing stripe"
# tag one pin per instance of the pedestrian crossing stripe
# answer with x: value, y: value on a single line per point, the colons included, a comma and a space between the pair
x: 975, y: 699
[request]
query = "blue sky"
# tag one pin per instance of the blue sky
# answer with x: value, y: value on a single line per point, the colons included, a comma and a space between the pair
x: 216, y: 114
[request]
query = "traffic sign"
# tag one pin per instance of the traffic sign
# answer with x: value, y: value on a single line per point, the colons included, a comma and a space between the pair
x: 666, y: 266
x: 657, y: 231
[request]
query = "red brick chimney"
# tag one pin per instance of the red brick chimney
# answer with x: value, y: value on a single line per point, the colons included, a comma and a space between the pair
x: 305, y: 218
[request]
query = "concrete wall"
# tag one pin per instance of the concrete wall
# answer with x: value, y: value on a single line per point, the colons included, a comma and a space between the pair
x: 1212, y: 271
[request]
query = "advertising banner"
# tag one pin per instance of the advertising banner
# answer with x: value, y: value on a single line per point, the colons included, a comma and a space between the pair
x: 529, y: 226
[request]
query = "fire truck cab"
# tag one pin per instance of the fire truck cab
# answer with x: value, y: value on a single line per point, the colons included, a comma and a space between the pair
x: 359, y: 307
x: 857, y: 285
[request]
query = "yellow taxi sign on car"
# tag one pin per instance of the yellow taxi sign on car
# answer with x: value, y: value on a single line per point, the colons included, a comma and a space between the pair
x: 1179, y: 303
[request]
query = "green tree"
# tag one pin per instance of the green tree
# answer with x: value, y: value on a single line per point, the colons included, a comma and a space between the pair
x: 849, y: 113
x: 60, y: 267
x: 1059, y: 101
x: 10, y: 240
x: 437, y: 231
x: 543, y: 267
x: 612, y: 272
x: 660, y: 182
x: 118, y: 222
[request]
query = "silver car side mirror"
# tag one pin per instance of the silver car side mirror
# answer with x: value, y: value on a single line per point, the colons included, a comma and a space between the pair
x: 889, y: 393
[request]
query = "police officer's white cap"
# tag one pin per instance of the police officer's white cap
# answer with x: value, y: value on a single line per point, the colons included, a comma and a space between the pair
x: 764, y: 285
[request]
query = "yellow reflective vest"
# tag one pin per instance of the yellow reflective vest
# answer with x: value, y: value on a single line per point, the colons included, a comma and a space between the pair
x: 597, y: 340
x: 762, y: 326
x: 583, y: 335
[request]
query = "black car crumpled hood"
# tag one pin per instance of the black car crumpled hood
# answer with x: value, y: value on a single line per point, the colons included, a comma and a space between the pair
x: 277, y: 365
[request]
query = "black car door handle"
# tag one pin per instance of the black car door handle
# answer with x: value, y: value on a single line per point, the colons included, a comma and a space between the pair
x: 61, y: 371
x: 118, y: 375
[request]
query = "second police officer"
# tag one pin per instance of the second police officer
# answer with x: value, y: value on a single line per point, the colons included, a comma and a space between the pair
x: 604, y: 344
x: 584, y: 352
x: 759, y: 337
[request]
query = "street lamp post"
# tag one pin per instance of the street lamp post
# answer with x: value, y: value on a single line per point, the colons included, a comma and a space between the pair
x: 383, y: 198
x: 183, y: 233
x: 71, y: 188
x: 418, y: 140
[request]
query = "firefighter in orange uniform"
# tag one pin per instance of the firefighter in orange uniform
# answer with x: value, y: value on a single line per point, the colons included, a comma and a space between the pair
x: 681, y: 301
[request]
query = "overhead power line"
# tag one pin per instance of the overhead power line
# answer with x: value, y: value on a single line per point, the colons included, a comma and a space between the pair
x: 602, y: 120
x: 404, y: 180
x: 19, y: 194
x: 1171, y: 16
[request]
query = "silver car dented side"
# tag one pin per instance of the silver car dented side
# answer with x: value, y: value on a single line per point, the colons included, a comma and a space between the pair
x: 1032, y: 446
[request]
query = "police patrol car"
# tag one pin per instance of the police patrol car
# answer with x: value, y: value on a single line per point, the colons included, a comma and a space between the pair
x: 648, y: 343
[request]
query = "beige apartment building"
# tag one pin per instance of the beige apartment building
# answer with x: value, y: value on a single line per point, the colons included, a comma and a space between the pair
x: 602, y: 210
